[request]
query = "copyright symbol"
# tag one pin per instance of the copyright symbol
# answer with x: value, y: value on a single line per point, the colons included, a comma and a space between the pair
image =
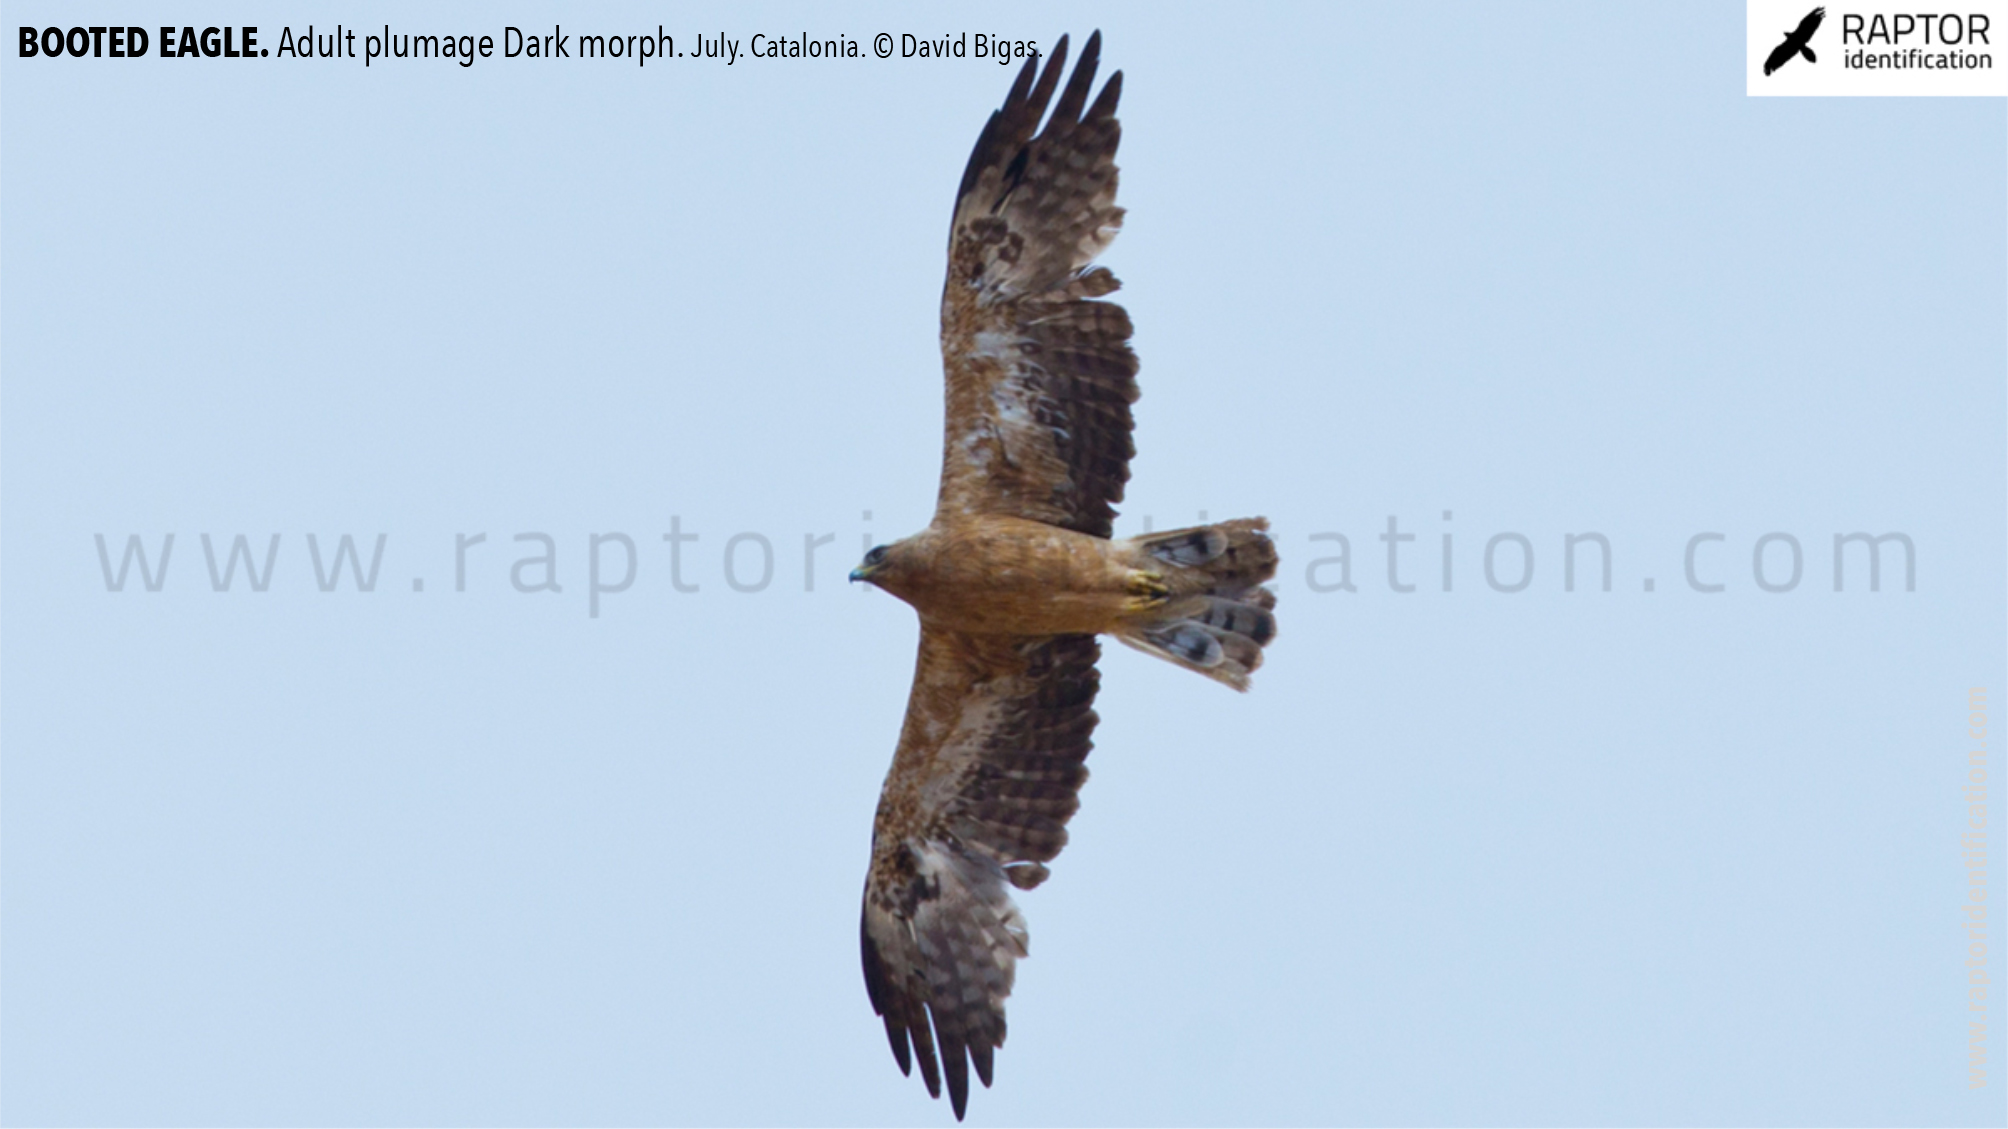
x: 883, y: 45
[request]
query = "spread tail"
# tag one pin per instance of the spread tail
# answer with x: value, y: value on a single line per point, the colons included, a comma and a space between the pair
x: 1217, y: 617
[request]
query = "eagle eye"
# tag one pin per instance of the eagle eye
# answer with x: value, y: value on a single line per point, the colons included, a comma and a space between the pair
x: 875, y: 557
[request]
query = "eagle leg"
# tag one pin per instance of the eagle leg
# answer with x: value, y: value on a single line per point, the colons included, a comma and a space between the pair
x: 1146, y: 589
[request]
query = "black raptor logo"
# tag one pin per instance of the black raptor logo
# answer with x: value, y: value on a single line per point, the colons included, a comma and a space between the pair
x: 1797, y: 42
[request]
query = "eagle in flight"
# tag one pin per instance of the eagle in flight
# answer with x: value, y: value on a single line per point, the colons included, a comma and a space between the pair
x: 1017, y: 575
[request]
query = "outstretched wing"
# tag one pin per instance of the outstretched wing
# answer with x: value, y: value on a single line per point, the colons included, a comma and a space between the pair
x: 1808, y: 26
x: 987, y: 774
x: 1040, y: 374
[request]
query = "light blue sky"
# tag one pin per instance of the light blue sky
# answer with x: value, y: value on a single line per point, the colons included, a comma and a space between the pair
x: 1544, y: 857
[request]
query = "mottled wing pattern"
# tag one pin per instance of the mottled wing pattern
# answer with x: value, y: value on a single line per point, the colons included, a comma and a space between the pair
x: 988, y: 771
x: 1040, y: 375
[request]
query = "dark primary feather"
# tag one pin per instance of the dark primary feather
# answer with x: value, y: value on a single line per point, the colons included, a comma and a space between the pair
x: 988, y: 772
x: 1040, y: 374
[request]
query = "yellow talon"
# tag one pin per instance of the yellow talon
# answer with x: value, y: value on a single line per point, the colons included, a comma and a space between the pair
x: 1147, y: 587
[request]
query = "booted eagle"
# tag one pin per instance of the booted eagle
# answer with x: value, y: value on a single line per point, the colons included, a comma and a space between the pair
x: 1017, y: 575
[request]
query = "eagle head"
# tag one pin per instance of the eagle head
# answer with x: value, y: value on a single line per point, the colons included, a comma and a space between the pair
x: 899, y: 567
x: 873, y: 562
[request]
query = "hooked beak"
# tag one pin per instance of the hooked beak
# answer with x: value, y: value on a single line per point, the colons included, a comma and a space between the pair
x: 857, y: 574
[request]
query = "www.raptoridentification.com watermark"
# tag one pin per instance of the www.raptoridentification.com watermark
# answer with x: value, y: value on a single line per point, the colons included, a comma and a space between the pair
x: 610, y: 563
x: 1973, y: 904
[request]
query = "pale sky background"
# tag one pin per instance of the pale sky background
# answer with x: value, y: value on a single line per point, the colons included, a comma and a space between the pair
x: 477, y: 857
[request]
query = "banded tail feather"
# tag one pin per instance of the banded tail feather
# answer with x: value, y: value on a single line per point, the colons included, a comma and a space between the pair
x: 1217, y: 617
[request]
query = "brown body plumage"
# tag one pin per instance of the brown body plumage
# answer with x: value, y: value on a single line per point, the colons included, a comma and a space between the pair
x: 1017, y: 575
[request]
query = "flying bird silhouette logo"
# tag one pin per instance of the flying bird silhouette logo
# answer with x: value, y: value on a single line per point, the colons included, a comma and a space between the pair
x: 1797, y: 42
